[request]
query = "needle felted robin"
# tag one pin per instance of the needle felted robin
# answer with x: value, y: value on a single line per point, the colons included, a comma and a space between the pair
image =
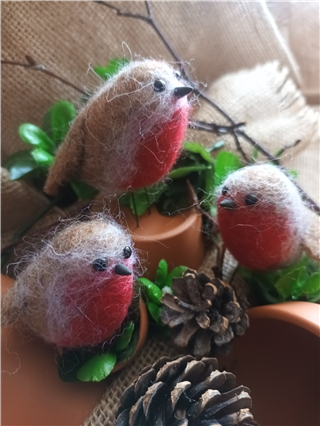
x: 77, y: 290
x: 129, y: 134
x: 261, y: 217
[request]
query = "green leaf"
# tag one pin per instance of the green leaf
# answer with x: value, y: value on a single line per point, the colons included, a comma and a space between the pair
x: 83, y: 191
x: 155, y: 312
x: 123, y: 341
x: 20, y: 164
x: 185, y: 171
x: 42, y: 157
x: 33, y: 135
x: 98, y: 367
x: 310, y: 288
x: 69, y: 363
x: 225, y: 163
x: 153, y: 292
x: 176, y: 272
x: 130, y: 349
x: 143, y: 198
x: 285, y: 283
x: 112, y: 68
x: 293, y: 173
x: 194, y: 147
x: 57, y: 120
x: 161, y: 273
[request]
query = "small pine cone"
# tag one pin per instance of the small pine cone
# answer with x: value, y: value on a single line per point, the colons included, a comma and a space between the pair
x: 204, y: 314
x: 185, y: 391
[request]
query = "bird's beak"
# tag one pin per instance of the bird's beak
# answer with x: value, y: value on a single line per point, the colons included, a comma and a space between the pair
x: 228, y: 204
x: 122, y: 270
x: 182, y: 91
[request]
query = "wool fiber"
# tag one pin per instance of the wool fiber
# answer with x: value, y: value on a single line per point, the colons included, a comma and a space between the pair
x: 265, y: 230
x: 128, y: 135
x: 62, y: 298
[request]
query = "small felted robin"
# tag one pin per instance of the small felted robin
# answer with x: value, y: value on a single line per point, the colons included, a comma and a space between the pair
x: 261, y: 217
x: 129, y: 134
x: 77, y: 290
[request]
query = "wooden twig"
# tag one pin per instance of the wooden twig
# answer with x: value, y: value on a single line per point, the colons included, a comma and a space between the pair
x: 36, y: 66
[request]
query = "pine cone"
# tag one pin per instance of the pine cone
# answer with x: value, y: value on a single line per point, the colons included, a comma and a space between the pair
x: 204, y: 314
x: 184, y: 391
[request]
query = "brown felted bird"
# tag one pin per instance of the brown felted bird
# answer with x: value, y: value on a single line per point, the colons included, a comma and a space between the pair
x: 129, y: 133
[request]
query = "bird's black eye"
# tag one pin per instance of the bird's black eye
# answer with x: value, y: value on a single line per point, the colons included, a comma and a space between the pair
x: 225, y: 191
x: 127, y: 251
x: 177, y: 74
x: 250, y: 200
x: 100, y: 264
x: 159, y: 85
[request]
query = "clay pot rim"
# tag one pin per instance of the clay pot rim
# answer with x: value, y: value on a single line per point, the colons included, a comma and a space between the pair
x: 299, y: 313
x: 143, y: 332
x: 191, y: 216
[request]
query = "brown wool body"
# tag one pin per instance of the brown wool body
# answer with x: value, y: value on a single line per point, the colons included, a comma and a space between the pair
x: 62, y: 298
x: 125, y: 116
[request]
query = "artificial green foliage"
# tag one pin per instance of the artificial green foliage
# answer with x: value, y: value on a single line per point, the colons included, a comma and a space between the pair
x: 20, y: 165
x: 130, y: 349
x: 97, y: 367
x: 153, y: 291
x: 124, y: 339
x: 141, y: 200
x: 112, y: 68
x: 57, y: 120
x: 299, y: 282
x: 42, y: 157
x: 225, y: 163
x: 33, y: 135
x: 83, y: 190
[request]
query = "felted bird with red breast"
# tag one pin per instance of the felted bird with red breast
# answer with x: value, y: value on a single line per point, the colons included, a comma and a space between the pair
x: 129, y: 133
x: 77, y: 290
x: 262, y: 218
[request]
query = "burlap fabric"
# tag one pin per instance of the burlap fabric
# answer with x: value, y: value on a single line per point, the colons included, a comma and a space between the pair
x: 216, y: 38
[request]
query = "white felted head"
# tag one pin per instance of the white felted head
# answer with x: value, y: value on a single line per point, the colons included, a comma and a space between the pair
x: 129, y: 133
x: 261, y: 217
x: 77, y: 290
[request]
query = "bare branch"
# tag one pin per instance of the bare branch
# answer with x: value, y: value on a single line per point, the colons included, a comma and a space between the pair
x: 33, y: 64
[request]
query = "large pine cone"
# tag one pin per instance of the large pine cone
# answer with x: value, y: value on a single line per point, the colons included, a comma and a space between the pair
x: 185, y: 391
x: 204, y: 314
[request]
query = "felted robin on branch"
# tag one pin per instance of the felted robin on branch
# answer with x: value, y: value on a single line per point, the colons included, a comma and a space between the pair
x: 129, y: 134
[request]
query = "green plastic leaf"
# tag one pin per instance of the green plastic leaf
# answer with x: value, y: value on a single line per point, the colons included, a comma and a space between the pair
x: 20, y: 164
x: 112, y: 68
x: 225, y: 163
x: 57, y: 120
x: 83, y: 191
x: 42, y: 157
x: 153, y: 291
x: 140, y: 200
x: 123, y: 341
x: 33, y: 135
x: 185, y: 171
x: 98, y: 367
x: 161, y: 273
x: 255, y: 153
x: 176, y: 272
x: 69, y: 363
x: 130, y: 349
x: 155, y: 312
x: 309, y: 289
x: 285, y: 283
x: 194, y: 147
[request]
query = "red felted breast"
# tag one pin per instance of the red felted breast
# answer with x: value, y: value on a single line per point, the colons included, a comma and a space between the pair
x: 258, y: 240
x: 158, y: 152
x: 100, y: 311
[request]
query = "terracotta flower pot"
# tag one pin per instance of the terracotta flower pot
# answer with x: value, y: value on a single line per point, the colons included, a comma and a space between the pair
x: 178, y: 238
x: 32, y: 392
x: 278, y: 359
